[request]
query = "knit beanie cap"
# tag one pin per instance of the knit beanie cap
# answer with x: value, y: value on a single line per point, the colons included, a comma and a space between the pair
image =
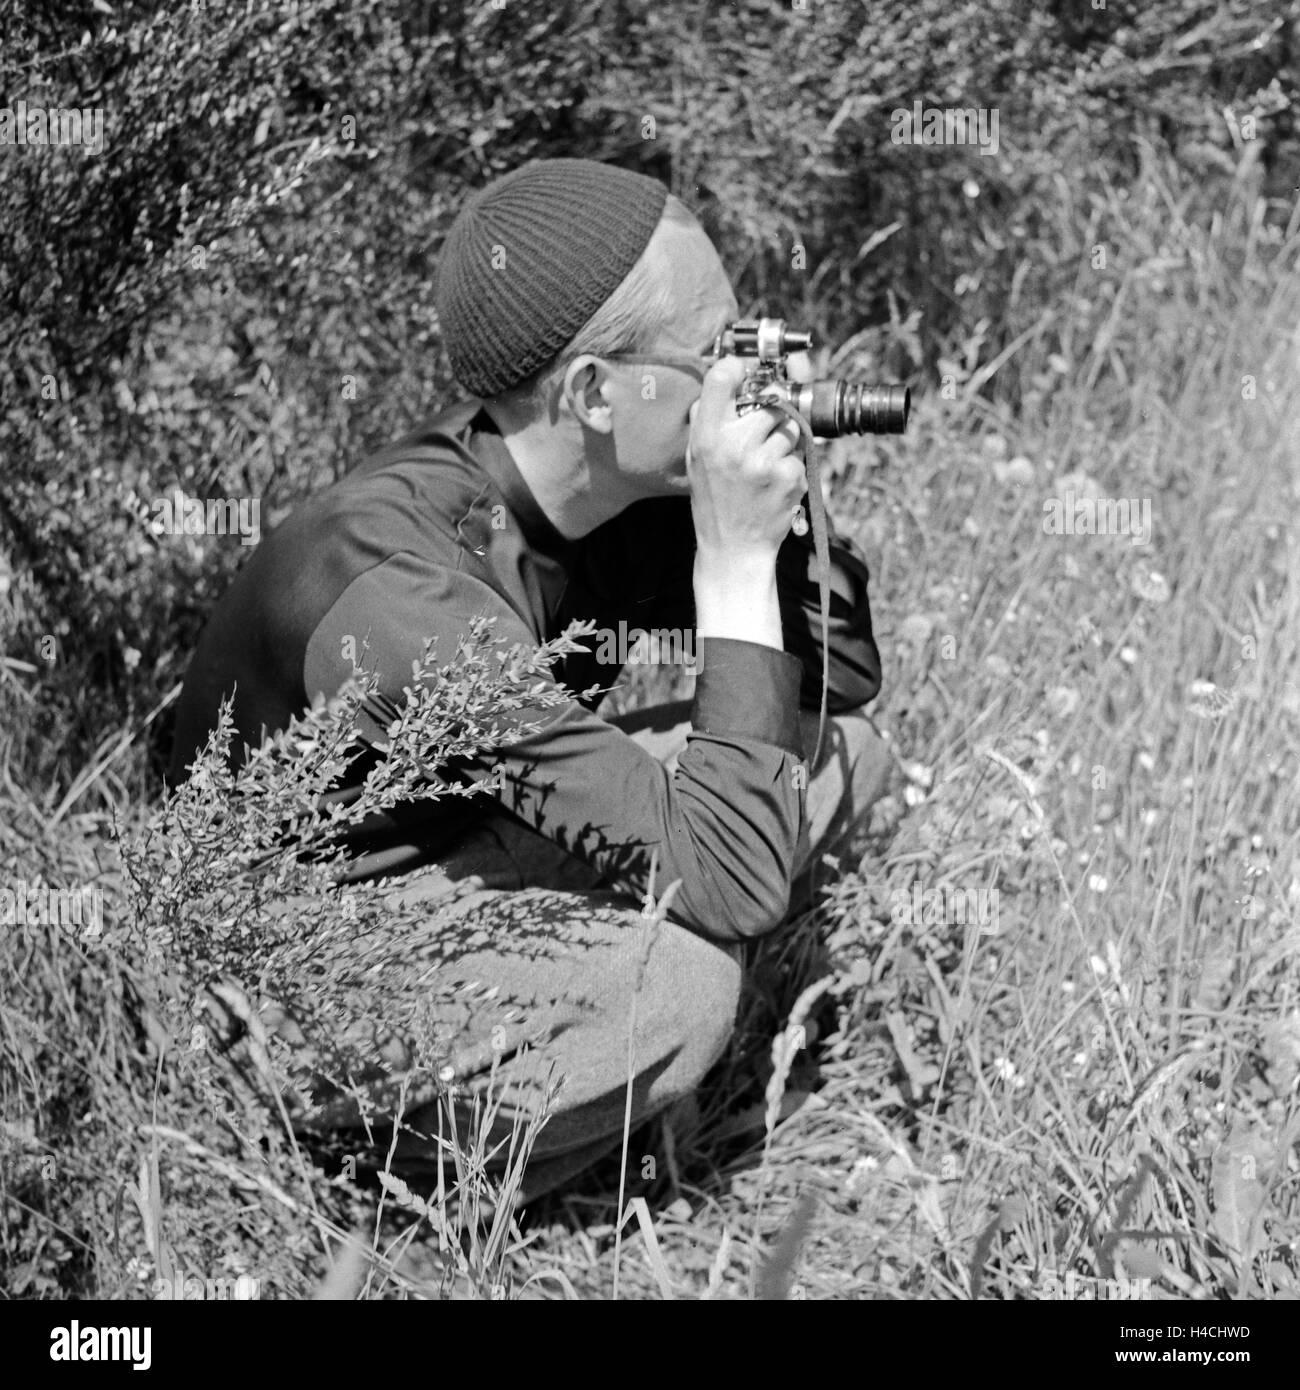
x: 531, y: 257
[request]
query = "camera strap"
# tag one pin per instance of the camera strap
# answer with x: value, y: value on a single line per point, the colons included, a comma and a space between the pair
x: 821, y: 551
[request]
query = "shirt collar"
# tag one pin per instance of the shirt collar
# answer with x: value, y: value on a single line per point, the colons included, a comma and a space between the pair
x: 484, y: 441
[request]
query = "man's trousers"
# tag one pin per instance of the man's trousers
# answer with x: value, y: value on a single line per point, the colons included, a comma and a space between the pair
x: 538, y: 986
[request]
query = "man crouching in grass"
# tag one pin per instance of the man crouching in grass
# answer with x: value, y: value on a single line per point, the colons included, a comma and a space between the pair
x: 600, y: 472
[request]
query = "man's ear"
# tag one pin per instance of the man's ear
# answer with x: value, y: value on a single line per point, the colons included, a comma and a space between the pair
x: 587, y: 394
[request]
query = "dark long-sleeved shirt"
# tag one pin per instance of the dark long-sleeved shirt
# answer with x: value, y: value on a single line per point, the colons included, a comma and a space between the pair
x: 440, y: 528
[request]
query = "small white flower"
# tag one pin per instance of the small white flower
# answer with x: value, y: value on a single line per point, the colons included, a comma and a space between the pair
x: 918, y: 773
x: 1207, y: 701
x: 1097, y: 883
x: 1063, y: 700
x: 1006, y: 1071
x: 862, y: 1170
x: 1019, y: 472
x: 994, y: 445
x: 1150, y: 585
x: 997, y: 666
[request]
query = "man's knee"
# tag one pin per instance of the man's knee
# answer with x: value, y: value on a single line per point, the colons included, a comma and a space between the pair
x: 867, y: 756
x: 679, y: 997
x: 851, y: 774
x: 695, y: 986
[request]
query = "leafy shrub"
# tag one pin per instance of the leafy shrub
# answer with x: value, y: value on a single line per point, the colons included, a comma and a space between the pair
x: 235, y: 297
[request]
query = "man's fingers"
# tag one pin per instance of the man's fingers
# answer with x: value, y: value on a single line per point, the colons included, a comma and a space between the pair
x: 722, y: 381
x: 783, y: 425
x: 775, y: 430
x: 717, y: 399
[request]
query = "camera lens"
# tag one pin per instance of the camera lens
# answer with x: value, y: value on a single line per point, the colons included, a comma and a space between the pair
x: 875, y: 409
x: 835, y: 408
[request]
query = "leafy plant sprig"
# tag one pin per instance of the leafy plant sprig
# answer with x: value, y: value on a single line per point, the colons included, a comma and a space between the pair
x: 236, y: 872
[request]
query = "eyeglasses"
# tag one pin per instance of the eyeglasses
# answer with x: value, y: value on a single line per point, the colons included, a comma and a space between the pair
x: 697, y: 366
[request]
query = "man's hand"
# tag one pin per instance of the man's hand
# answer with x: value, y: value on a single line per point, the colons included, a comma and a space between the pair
x: 746, y: 481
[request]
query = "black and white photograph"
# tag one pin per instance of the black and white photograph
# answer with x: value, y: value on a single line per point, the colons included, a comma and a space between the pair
x: 649, y: 651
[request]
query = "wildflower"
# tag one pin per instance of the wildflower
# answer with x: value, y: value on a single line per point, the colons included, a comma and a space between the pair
x: 997, y: 666
x: 1005, y: 1070
x: 994, y: 446
x: 918, y: 773
x: 915, y: 630
x: 1062, y: 700
x: 861, y: 1172
x: 1150, y: 585
x: 1017, y: 471
x: 1209, y: 701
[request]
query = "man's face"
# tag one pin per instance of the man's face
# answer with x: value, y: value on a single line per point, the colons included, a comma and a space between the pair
x: 650, y: 399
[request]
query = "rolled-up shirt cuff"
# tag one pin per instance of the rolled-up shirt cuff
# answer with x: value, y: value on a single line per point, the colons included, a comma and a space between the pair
x: 747, y: 690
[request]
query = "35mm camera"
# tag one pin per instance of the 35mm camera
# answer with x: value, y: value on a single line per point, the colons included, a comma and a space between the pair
x: 832, y: 408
